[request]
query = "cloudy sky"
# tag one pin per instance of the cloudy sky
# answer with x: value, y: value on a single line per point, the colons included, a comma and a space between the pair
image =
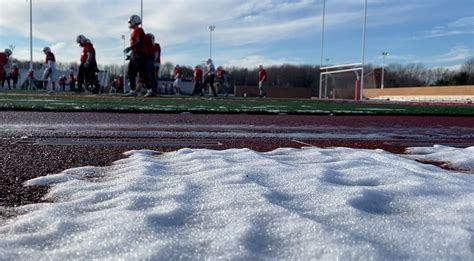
x: 437, y: 33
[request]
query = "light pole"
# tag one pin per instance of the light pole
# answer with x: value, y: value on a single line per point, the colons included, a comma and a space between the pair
x: 124, y: 69
x: 141, y: 11
x: 211, y: 29
x: 384, y: 55
x: 322, y: 47
x: 31, y: 34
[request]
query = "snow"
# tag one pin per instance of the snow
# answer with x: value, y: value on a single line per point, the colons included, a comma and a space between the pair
x: 455, y: 157
x: 310, y: 203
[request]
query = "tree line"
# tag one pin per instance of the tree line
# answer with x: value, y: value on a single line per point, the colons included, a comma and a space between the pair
x: 307, y: 76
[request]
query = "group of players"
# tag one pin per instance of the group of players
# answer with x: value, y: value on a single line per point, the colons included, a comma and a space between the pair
x: 144, y: 57
x: 86, y: 75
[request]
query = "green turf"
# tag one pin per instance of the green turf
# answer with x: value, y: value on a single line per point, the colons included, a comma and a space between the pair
x: 23, y: 100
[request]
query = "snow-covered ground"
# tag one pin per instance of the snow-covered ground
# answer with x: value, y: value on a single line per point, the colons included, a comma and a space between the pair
x: 310, y: 203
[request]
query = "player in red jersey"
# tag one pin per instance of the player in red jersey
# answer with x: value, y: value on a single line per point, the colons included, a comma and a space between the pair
x: 30, y: 80
x: 157, y: 64
x: 155, y: 56
x: 88, y: 65
x: 3, y: 62
x: 262, y: 78
x: 137, y: 50
x: 72, y: 81
x: 149, y: 64
x: 221, y: 76
x: 197, y: 81
x: 178, y: 74
x: 15, y: 74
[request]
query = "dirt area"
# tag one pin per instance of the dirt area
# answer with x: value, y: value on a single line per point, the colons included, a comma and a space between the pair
x: 98, y: 139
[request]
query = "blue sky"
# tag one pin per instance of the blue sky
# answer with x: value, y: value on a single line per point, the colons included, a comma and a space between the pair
x: 437, y: 33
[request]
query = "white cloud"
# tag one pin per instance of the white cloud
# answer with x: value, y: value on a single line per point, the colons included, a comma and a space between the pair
x: 455, y: 54
x: 460, y: 26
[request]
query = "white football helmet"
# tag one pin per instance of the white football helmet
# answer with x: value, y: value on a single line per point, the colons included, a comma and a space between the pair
x: 8, y: 52
x: 80, y: 39
x: 46, y: 50
x: 134, y: 20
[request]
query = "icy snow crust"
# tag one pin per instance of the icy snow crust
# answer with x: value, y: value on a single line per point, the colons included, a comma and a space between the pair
x: 309, y: 203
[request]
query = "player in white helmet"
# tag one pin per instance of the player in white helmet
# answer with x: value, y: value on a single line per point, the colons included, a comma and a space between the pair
x: 88, y: 66
x: 49, y: 68
x: 137, y: 50
x: 209, y: 75
x: 3, y: 62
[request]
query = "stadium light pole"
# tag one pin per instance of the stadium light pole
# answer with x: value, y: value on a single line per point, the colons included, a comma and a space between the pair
x: 31, y: 34
x: 384, y: 55
x: 124, y: 68
x: 211, y: 29
x: 141, y: 11
x: 322, y: 44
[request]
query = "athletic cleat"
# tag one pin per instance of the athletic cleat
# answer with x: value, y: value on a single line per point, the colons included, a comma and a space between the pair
x: 132, y: 93
x: 149, y: 93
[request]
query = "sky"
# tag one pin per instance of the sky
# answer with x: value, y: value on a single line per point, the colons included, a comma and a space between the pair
x: 437, y: 33
x: 286, y: 204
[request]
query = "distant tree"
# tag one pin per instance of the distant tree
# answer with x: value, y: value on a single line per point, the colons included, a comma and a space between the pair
x: 166, y: 70
x: 468, y: 67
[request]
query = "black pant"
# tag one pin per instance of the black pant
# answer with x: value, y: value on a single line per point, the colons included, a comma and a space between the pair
x: 87, y: 76
x: 156, y: 73
x: 209, y: 80
x: 197, y: 87
x: 137, y: 65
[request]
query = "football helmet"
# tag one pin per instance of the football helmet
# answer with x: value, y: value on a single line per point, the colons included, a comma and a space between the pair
x: 134, y: 20
x: 80, y: 39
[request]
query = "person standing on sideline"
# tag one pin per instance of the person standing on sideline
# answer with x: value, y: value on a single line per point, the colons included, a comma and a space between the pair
x: 30, y: 81
x: 177, y: 80
x: 262, y: 78
x: 3, y: 62
x: 137, y: 50
x: 210, y: 76
x: 150, y: 65
x: 49, y: 68
x: 72, y: 82
x: 221, y: 75
x: 62, y: 83
x: 197, y: 81
x: 156, y: 63
x: 88, y: 65
x: 15, y: 74
x: 120, y: 83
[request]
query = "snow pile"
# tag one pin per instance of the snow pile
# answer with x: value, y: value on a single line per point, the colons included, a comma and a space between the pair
x: 460, y: 158
x: 305, y: 204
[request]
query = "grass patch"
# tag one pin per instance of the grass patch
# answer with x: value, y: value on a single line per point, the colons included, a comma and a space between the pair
x: 42, y: 101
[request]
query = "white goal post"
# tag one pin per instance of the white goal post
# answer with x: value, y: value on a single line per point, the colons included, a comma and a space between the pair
x: 357, y: 68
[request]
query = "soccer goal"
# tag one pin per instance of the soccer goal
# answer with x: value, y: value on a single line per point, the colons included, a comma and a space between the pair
x: 342, y: 81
